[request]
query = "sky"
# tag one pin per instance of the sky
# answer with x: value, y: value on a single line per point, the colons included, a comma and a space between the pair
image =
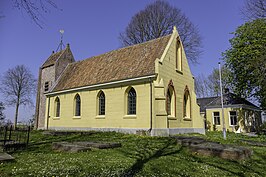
x: 92, y: 27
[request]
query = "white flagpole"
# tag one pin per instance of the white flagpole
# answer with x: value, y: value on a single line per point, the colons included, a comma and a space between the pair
x: 222, y: 102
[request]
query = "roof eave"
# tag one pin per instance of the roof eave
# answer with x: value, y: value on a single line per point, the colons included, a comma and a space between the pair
x: 112, y: 83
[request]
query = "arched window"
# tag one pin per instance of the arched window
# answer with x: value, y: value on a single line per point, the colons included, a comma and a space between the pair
x: 131, y: 101
x: 187, y: 104
x: 77, y: 105
x: 57, y: 107
x: 101, y: 103
x: 170, y: 100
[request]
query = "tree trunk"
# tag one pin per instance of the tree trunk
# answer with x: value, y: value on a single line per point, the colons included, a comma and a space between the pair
x: 16, y: 114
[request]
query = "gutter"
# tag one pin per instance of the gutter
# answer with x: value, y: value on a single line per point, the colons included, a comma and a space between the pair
x: 150, y: 77
x: 48, y: 113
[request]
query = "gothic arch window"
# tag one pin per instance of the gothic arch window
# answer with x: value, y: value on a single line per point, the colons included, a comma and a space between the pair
x: 77, y: 105
x: 187, y: 104
x: 57, y: 107
x: 101, y: 101
x: 178, y: 55
x: 131, y: 101
x: 170, y: 100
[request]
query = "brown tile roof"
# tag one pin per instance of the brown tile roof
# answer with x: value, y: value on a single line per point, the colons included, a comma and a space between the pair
x: 129, y: 62
x: 52, y: 59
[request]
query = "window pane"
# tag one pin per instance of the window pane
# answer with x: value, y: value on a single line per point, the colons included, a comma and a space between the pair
x: 78, y: 104
x: 132, y: 101
x: 57, y: 107
x: 102, y: 104
x: 216, y: 114
x: 216, y: 118
x: 233, y: 118
x: 168, y: 102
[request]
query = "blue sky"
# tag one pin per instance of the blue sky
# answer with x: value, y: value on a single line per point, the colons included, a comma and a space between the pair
x: 92, y: 28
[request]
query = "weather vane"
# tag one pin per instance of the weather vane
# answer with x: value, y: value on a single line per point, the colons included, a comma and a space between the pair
x: 61, y: 44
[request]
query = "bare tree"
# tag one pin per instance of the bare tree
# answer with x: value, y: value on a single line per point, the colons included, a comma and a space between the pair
x: 2, y: 115
x: 210, y: 86
x: 254, y: 9
x: 202, y: 87
x: 18, y: 85
x: 157, y: 20
x: 34, y: 8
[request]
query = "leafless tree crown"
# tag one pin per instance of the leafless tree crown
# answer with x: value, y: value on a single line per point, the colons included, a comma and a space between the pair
x: 34, y: 8
x: 254, y: 9
x: 157, y: 20
x: 210, y: 86
x: 18, y: 85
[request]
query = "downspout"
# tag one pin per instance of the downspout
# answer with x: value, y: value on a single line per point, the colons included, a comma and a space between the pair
x: 150, y: 105
x: 48, y: 112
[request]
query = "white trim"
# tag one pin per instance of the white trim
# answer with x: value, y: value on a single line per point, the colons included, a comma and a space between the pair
x: 99, y: 85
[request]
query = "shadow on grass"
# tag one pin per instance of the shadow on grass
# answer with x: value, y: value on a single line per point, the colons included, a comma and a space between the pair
x: 143, y: 156
x: 231, y: 166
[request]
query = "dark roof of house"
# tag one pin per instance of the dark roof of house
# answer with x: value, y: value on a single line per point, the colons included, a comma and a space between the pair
x: 203, y: 102
x: 228, y: 99
x: 129, y: 62
x: 52, y: 59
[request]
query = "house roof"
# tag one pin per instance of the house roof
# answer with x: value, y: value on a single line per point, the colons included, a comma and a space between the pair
x: 229, y: 99
x: 52, y: 59
x: 129, y: 62
x: 203, y: 102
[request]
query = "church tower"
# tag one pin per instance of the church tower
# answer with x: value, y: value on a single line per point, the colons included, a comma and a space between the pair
x: 49, y: 72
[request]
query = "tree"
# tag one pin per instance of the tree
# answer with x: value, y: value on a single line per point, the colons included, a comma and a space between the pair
x: 18, y: 85
x: 254, y: 9
x: 202, y: 86
x: 157, y: 20
x: 2, y: 116
x: 246, y: 59
x: 214, y: 80
x: 210, y: 86
x: 34, y: 8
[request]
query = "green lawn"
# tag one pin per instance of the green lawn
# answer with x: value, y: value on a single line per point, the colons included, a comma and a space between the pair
x: 138, y: 156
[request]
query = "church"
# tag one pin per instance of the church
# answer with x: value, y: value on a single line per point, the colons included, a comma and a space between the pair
x: 144, y: 88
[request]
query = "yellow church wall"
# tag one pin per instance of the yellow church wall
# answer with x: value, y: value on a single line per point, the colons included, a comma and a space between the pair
x: 115, y: 109
x: 166, y: 69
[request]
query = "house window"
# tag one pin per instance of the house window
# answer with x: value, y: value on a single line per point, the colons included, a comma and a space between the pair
x: 131, y: 101
x: 57, y: 107
x: 233, y: 118
x: 186, y: 104
x: 77, y: 105
x: 170, y: 101
x: 216, y: 118
x: 178, y: 55
x: 101, y: 103
x: 46, y: 86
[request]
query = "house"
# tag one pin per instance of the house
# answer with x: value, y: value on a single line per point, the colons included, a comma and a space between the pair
x: 239, y: 114
x: 146, y: 87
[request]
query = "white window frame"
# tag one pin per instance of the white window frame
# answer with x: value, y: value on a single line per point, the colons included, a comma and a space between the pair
x: 229, y: 115
x: 213, y: 120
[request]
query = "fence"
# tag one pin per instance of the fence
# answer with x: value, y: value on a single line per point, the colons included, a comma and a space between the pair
x: 12, y: 139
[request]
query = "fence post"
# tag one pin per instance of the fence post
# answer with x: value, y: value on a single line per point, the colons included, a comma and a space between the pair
x: 5, y: 135
x: 10, y: 131
x: 28, y: 138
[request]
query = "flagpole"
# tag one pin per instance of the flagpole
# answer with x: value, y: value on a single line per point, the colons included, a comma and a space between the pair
x: 222, y: 102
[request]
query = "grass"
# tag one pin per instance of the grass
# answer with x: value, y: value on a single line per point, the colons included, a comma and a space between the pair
x: 138, y: 156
